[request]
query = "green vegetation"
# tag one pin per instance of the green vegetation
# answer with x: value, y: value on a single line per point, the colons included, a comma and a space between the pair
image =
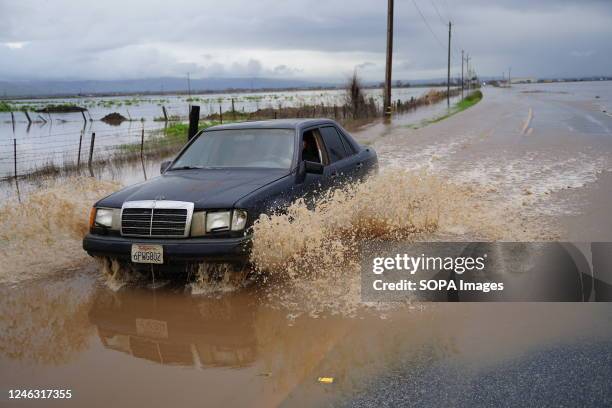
x: 61, y: 108
x: 6, y: 107
x: 467, y: 102
x: 169, y: 138
x: 21, y: 106
x: 470, y: 100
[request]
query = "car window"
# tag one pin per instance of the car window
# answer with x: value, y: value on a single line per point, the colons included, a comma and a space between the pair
x: 262, y: 148
x: 348, y: 146
x: 333, y: 144
x: 310, y: 147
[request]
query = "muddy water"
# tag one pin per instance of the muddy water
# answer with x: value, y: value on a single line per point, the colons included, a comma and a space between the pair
x: 63, y: 327
x: 138, y: 347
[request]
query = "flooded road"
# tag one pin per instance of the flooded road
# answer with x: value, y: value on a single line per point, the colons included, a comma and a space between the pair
x: 483, y: 175
x: 138, y: 347
x: 544, y: 150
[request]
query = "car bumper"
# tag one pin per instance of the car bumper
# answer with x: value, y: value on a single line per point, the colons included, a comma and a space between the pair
x: 175, y: 250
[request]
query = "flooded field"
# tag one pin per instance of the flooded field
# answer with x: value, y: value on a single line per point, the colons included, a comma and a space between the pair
x: 56, y: 138
x: 479, y: 175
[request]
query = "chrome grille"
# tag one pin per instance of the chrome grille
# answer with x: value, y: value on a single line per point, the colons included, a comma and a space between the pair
x: 156, y: 218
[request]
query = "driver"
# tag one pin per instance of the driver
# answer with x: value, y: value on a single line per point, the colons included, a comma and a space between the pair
x: 309, y: 150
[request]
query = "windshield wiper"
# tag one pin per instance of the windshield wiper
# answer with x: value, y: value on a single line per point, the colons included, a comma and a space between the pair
x: 185, y: 168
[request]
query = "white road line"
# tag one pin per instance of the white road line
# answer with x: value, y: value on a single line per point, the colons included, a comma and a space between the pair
x: 527, y: 122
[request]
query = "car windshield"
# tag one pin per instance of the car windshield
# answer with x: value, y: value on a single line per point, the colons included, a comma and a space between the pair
x: 262, y: 148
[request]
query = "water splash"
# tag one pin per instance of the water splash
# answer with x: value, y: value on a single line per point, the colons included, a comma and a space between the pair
x: 313, y: 253
x: 215, y: 279
x: 43, y: 233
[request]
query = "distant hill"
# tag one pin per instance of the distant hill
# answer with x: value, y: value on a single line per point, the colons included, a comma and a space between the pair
x: 152, y: 85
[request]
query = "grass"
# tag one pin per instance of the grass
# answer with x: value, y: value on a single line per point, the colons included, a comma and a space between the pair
x: 6, y: 107
x: 61, y: 108
x: 173, y: 136
x: 467, y: 102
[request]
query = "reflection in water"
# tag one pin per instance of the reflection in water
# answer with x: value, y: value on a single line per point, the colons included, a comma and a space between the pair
x: 243, y: 331
x: 175, y: 329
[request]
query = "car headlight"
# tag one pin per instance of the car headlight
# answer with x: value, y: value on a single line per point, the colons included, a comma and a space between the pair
x: 239, y: 220
x: 234, y: 220
x: 218, y: 221
x: 106, y: 217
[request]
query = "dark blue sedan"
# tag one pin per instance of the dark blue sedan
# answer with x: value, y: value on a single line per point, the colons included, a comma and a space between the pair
x: 202, y: 206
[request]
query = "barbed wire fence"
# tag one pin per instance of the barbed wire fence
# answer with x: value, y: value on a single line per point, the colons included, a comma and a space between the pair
x: 40, y: 156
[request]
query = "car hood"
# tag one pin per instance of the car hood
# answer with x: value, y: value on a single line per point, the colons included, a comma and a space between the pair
x: 206, y: 188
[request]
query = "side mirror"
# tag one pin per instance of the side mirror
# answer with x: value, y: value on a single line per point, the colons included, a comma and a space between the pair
x: 313, y: 167
x: 308, y: 167
x: 164, y: 166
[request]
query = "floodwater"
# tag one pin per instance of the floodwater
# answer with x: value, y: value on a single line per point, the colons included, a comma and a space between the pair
x: 154, y: 348
x: 481, y: 174
x: 55, y: 138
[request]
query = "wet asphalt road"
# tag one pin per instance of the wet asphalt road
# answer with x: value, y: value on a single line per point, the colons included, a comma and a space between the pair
x: 576, y: 375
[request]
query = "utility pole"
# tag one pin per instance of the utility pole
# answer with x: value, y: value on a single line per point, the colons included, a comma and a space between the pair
x: 448, y: 71
x: 189, y: 93
x: 467, y: 67
x: 387, y: 95
x: 188, y: 85
x: 509, y: 81
x: 461, y: 74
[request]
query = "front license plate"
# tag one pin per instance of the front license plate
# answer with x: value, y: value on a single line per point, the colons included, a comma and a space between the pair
x: 144, y: 253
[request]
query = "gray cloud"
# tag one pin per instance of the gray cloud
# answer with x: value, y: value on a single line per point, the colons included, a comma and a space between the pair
x: 114, y: 39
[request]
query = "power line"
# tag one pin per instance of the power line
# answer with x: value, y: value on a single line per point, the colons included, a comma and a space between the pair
x: 444, y: 22
x: 450, y: 17
x: 428, y: 26
x: 438, y: 12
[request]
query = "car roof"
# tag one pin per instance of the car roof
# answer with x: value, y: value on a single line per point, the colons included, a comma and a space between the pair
x: 296, y: 123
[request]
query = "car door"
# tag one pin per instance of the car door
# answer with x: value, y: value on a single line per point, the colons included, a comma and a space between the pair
x: 342, y: 165
x: 364, y: 161
x: 312, y: 184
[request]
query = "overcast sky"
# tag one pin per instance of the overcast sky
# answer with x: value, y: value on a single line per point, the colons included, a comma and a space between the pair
x: 322, y: 40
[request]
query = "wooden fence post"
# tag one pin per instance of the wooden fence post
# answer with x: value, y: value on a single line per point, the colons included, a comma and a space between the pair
x: 79, y: 156
x: 220, y: 114
x: 194, y: 119
x: 15, y: 169
x: 144, y: 171
x: 15, y: 158
x: 141, y: 144
x: 165, y: 113
x: 91, y: 150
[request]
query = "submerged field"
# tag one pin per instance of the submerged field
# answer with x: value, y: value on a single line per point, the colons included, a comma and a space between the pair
x: 55, y: 142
